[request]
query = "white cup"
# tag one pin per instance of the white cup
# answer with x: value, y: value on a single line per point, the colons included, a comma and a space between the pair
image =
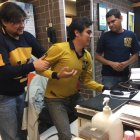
x: 128, y: 135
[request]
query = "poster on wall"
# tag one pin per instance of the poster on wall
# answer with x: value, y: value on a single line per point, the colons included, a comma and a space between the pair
x: 108, y: 29
x: 29, y: 24
x: 124, y: 20
x: 130, y: 26
x: 102, y: 16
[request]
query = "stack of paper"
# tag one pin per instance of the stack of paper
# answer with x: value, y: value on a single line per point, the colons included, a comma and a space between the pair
x: 136, y: 98
x: 135, y: 74
x: 86, y: 111
x: 132, y: 110
x: 130, y: 114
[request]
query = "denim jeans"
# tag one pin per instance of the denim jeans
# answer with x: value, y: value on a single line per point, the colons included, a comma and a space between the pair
x: 110, y: 81
x: 11, y: 111
x: 59, y: 109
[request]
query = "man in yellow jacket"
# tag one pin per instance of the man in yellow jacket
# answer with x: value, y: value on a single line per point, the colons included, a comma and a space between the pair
x: 70, y: 63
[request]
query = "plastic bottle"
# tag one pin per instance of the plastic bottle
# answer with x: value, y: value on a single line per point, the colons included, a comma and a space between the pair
x: 108, y: 122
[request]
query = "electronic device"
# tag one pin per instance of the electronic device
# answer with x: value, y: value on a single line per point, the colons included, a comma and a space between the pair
x: 116, y: 92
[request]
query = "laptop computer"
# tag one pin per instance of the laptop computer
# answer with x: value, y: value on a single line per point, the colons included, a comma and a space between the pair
x: 96, y: 103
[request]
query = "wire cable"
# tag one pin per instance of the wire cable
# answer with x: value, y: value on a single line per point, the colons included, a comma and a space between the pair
x: 132, y: 91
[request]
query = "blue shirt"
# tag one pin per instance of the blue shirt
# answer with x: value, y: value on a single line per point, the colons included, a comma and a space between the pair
x: 117, y: 47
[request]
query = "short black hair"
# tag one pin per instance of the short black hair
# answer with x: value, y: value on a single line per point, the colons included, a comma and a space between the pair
x: 11, y: 12
x: 113, y: 12
x: 78, y: 24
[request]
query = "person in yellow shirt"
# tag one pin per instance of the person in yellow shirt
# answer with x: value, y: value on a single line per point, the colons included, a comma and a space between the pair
x: 70, y: 63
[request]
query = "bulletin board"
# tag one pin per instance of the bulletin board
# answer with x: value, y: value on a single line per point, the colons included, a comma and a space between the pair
x: 29, y: 24
x: 124, y: 21
x: 131, y: 17
x: 102, y: 25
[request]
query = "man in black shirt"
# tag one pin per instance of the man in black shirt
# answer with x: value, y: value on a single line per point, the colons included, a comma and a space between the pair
x: 116, y: 50
x: 16, y: 47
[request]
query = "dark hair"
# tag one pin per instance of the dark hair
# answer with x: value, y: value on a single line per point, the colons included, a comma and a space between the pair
x: 11, y: 12
x: 78, y: 24
x: 113, y: 12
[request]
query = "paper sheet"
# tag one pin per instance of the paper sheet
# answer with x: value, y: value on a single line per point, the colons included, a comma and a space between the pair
x: 132, y: 110
x: 126, y: 94
x: 135, y: 74
x: 136, y: 97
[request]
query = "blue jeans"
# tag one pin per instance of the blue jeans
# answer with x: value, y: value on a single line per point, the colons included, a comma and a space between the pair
x: 59, y: 110
x: 11, y: 111
x: 110, y: 81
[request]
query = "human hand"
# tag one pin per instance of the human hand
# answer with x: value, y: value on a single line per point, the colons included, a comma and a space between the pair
x: 43, y: 57
x: 116, y: 66
x: 105, y: 88
x: 124, y: 64
x: 66, y: 72
x: 41, y: 65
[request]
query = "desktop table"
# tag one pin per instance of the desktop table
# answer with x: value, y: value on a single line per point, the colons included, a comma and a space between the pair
x: 85, y: 114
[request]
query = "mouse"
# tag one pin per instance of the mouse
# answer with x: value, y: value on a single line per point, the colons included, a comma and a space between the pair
x: 116, y: 92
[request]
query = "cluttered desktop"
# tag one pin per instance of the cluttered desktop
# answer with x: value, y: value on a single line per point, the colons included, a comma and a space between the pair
x: 124, y: 103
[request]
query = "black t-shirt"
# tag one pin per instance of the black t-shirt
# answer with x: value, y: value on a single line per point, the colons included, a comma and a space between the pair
x: 15, y: 62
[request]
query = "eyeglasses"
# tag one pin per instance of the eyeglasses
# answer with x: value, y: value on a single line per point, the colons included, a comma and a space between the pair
x: 19, y: 22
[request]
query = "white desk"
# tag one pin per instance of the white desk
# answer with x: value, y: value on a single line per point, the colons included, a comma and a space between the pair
x: 86, y: 114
